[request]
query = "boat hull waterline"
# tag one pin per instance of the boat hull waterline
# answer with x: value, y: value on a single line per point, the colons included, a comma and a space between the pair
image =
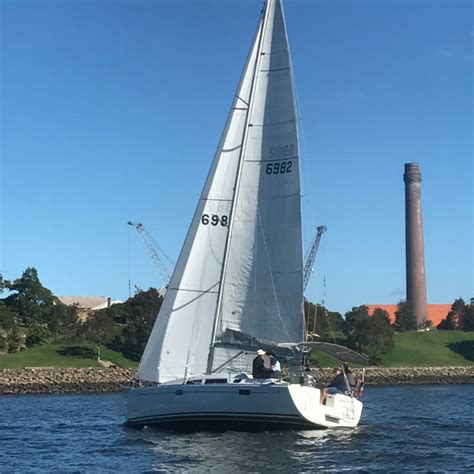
x: 251, y: 405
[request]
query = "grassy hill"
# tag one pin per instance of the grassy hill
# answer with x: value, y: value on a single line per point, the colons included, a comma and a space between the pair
x: 433, y: 348
x: 412, y: 349
x: 63, y: 355
x: 422, y: 349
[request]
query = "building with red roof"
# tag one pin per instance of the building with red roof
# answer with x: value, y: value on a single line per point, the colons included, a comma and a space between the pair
x: 436, y: 312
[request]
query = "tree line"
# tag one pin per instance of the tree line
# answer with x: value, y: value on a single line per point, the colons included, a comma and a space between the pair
x: 373, y: 334
x: 30, y: 314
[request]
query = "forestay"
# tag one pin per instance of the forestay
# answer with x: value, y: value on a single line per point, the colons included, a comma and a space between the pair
x: 241, y: 265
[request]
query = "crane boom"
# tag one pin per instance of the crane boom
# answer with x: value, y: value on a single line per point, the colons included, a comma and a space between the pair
x: 308, y: 266
x: 151, y: 246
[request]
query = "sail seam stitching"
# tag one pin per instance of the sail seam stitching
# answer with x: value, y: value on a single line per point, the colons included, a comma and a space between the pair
x: 275, y: 70
x: 193, y: 291
x: 271, y: 160
x: 216, y: 199
x: 271, y: 124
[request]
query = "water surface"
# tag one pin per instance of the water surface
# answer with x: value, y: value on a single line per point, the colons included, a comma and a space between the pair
x: 404, y: 428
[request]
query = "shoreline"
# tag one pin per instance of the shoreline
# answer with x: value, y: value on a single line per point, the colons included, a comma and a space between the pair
x: 48, y: 380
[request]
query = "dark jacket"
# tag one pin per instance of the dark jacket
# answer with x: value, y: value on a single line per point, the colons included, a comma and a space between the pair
x: 339, y: 382
x: 258, y: 369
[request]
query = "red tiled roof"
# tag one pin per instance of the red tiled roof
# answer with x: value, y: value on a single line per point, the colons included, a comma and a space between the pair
x: 436, y: 312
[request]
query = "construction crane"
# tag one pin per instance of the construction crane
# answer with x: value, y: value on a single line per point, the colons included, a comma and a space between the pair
x: 152, y: 246
x: 308, y: 266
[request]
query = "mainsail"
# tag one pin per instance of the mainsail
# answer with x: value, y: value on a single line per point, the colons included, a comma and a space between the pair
x: 241, y: 268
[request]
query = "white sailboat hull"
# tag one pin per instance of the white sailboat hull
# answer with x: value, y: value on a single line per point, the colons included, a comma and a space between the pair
x: 250, y: 405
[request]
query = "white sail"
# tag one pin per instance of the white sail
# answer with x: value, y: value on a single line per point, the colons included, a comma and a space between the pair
x: 241, y: 266
x: 262, y: 292
x: 182, y: 333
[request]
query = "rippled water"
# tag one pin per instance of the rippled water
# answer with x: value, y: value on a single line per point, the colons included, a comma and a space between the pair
x: 409, y: 428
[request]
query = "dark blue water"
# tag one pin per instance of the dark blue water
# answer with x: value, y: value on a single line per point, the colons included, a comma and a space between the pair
x: 410, y: 428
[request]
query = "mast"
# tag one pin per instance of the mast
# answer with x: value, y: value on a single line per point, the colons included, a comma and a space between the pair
x: 258, y: 40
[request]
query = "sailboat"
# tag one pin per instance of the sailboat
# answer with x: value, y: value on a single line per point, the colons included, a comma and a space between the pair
x: 238, y: 283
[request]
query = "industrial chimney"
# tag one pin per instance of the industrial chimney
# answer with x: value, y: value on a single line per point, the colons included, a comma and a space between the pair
x: 415, y: 258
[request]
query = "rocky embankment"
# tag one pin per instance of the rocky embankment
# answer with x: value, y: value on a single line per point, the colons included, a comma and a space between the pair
x: 408, y: 375
x: 52, y: 380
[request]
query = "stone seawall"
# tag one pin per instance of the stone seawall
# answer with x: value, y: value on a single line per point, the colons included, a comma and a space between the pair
x: 52, y: 380
x: 407, y: 375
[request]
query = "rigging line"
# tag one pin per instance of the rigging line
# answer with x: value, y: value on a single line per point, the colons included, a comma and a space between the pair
x: 295, y: 105
x: 304, y: 164
x: 240, y: 98
x: 129, y: 266
x: 201, y: 294
x: 315, y: 316
x: 195, y: 336
x: 328, y: 319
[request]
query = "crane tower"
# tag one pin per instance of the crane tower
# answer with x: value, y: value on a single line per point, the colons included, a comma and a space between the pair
x: 152, y: 246
x: 308, y: 266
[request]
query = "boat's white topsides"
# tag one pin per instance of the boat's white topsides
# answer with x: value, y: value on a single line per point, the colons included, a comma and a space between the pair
x: 270, y: 402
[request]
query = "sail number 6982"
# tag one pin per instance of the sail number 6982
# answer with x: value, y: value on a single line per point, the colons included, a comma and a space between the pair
x: 278, y: 167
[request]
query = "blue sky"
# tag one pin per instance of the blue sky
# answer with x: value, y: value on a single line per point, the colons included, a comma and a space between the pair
x: 111, y: 111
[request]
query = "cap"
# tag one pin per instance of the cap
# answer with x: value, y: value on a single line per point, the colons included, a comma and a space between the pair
x: 260, y: 352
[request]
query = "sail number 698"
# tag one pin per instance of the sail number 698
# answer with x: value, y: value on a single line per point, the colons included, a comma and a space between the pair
x: 214, y: 219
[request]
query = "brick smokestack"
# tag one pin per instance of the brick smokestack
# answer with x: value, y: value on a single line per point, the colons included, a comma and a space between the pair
x: 415, y: 254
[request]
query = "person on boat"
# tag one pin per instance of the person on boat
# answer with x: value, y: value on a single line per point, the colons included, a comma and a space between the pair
x: 259, y: 371
x: 275, y: 365
x: 337, y: 385
x: 349, y: 376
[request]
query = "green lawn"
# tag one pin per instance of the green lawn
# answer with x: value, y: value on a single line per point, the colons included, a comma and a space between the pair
x: 421, y: 349
x: 63, y: 355
x: 433, y: 348
x: 415, y: 349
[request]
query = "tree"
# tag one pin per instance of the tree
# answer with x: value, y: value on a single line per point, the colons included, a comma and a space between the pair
x: 15, y: 340
x: 136, y: 317
x: 100, y: 328
x: 450, y: 323
x: 372, y: 335
x: 29, y: 298
x: 405, y: 319
x: 63, y: 323
x: 321, y: 321
x: 454, y: 319
x: 381, y: 314
x: 353, y: 326
x: 8, y: 318
x: 10, y: 334
x: 468, y: 318
x: 37, y: 334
